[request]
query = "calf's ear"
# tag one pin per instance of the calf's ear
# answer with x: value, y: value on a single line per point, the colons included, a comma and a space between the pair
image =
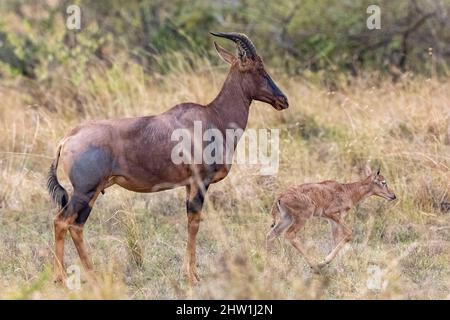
x: 367, y: 170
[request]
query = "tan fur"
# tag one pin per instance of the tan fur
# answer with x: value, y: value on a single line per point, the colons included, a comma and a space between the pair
x: 328, y: 199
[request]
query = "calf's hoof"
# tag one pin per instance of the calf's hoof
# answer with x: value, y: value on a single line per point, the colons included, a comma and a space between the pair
x: 315, y: 269
x: 318, y: 268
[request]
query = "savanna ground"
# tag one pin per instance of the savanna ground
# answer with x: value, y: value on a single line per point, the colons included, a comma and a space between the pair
x: 137, y: 241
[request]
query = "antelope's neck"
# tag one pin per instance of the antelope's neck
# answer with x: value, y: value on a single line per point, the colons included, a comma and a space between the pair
x: 358, y: 191
x: 231, y: 106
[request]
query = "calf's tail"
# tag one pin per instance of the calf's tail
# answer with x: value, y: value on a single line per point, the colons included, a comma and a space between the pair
x: 275, y: 212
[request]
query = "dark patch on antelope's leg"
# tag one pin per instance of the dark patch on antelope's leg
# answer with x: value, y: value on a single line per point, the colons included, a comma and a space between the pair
x: 78, y: 207
x: 76, y: 229
x: 194, y: 205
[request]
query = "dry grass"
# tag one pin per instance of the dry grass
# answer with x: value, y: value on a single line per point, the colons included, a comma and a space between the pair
x: 138, y: 240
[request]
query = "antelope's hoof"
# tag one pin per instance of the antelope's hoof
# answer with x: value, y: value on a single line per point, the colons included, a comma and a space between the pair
x: 58, y: 279
x: 193, y: 277
x: 91, y: 277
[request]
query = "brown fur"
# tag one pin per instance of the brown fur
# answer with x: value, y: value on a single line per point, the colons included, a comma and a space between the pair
x: 135, y: 153
x: 329, y: 199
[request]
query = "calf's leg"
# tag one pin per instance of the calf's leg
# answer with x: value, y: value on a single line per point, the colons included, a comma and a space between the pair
x: 336, y: 234
x: 291, y: 237
x: 347, y: 237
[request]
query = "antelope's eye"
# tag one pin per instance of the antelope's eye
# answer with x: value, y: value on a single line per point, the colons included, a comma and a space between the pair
x: 383, y: 183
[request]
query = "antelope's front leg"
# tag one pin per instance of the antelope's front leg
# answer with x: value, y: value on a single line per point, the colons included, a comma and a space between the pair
x: 194, y: 203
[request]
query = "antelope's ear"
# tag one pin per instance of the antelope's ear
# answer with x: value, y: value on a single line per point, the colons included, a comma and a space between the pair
x: 224, y: 54
x: 367, y: 170
x: 378, y: 171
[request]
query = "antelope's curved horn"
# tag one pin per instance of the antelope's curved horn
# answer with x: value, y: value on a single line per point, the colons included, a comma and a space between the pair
x: 245, y: 45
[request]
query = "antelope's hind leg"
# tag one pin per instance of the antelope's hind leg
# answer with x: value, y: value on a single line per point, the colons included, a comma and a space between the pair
x: 76, y: 229
x: 72, y: 219
x: 61, y: 225
x: 88, y: 175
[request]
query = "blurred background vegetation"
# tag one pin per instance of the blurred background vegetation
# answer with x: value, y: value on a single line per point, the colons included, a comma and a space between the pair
x: 324, y: 38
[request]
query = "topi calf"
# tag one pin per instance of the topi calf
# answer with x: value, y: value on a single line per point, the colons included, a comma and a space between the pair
x: 329, y: 199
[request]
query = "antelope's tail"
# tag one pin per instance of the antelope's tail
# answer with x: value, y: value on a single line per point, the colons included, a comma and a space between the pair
x: 55, y: 189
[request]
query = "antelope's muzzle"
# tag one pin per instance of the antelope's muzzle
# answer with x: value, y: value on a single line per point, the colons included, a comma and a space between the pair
x: 281, y: 102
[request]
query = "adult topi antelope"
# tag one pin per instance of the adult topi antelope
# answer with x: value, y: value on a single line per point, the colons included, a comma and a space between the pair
x: 135, y: 153
x: 328, y: 199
